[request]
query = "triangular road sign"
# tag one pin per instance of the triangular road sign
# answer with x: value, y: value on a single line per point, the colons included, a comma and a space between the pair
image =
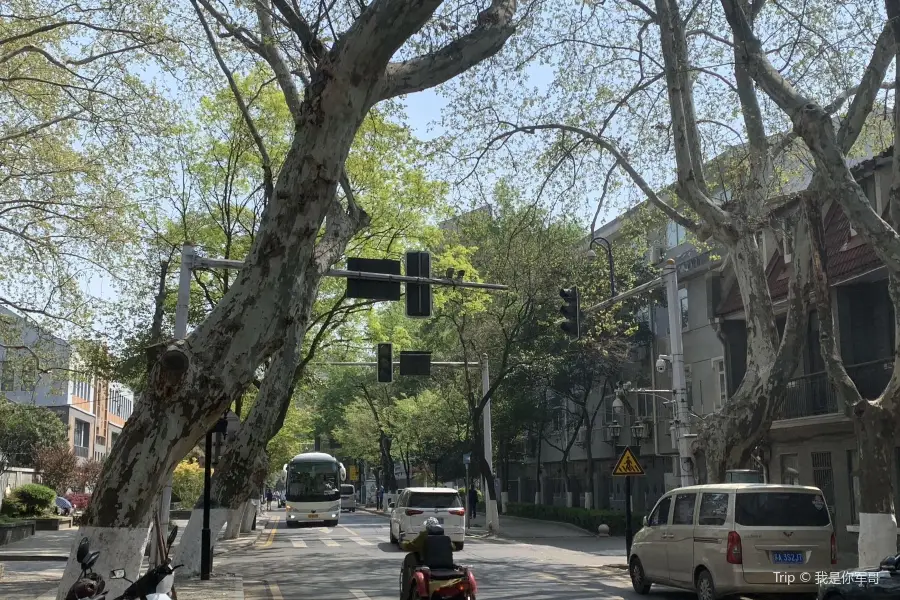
x: 628, y: 465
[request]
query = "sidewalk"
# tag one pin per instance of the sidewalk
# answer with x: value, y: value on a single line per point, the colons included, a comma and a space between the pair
x: 56, y: 545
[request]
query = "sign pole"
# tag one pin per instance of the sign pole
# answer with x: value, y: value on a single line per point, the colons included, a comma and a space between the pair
x: 629, y: 535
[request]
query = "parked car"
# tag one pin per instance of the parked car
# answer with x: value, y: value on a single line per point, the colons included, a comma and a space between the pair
x: 735, y: 538
x: 864, y: 583
x: 348, y: 498
x: 414, y: 505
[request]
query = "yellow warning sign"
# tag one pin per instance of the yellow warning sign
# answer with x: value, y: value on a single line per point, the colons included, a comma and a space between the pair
x: 627, y: 465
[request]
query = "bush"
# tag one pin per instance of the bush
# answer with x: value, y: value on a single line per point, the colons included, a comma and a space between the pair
x: 11, y: 507
x: 35, y: 499
x: 187, y: 483
x: 79, y: 501
x: 588, y: 519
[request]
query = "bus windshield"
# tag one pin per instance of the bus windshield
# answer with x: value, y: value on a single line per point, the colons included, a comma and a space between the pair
x: 312, y: 482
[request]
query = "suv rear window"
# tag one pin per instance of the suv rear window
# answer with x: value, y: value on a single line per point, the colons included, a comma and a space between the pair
x: 347, y: 490
x: 781, y: 509
x: 434, y: 500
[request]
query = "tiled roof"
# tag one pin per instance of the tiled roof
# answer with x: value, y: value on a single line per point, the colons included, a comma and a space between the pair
x: 845, y: 257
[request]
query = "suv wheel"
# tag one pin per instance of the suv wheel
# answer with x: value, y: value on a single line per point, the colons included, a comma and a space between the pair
x: 706, y: 589
x: 638, y: 579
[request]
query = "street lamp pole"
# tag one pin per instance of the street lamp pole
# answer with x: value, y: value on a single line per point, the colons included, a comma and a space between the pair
x: 609, y: 257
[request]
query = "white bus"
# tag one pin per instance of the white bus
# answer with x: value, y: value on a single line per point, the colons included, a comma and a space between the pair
x: 313, y: 489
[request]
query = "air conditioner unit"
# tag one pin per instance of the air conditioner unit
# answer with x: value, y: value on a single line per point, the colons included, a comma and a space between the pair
x: 656, y: 254
x: 582, y: 435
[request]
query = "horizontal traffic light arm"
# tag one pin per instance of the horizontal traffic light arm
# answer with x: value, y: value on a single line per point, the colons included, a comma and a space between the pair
x: 223, y: 263
x: 407, y: 279
x: 625, y: 295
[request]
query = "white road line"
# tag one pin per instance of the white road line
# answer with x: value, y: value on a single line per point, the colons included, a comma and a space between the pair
x: 325, y: 530
x: 274, y: 591
x: 348, y: 530
x: 361, y: 541
x: 298, y: 543
x: 360, y: 595
x: 329, y: 542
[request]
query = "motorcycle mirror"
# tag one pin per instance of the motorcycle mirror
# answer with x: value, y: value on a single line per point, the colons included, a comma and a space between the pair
x: 83, y: 547
x: 172, y: 535
x: 117, y: 574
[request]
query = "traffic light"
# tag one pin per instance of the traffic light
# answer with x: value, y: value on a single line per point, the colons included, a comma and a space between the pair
x: 571, y: 310
x: 385, y: 363
x: 418, y: 295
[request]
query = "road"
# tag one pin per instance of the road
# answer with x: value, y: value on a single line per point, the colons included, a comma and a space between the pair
x: 355, y: 560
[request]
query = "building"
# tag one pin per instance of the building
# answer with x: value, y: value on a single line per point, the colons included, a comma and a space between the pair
x: 41, y: 369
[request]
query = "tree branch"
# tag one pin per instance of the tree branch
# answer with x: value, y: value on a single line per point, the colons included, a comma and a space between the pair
x: 341, y: 225
x: 276, y: 60
x: 311, y: 44
x: 492, y: 29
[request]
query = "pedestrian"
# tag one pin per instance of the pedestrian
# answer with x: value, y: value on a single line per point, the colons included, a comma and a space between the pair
x: 268, y: 499
x: 380, y: 497
x: 473, y: 501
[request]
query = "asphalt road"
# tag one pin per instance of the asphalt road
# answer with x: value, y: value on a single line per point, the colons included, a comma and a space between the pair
x: 356, y: 561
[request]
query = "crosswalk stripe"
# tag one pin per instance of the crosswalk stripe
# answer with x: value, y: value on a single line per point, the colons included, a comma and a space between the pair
x: 360, y: 595
x: 298, y: 543
x: 361, y: 541
x: 325, y: 530
x: 348, y: 530
x: 329, y: 542
x: 275, y: 591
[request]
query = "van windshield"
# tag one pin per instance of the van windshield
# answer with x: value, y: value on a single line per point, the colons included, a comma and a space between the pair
x: 781, y: 509
x: 347, y: 490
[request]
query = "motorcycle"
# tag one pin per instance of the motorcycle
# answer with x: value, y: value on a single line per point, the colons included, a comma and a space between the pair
x: 457, y: 583
x: 89, y: 585
x: 156, y: 584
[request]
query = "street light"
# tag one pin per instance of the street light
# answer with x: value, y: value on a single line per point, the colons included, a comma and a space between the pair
x: 639, y: 431
x: 614, y: 430
x: 227, y: 425
x: 591, y: 254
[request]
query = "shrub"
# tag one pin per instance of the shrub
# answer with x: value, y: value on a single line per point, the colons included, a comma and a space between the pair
x: 588, y: 519
x: 464, y: 493
x: 35, y: 499
x: 11, y: 507
x: 79, y: 501
x: 187, y: 482
x: 58, y: 466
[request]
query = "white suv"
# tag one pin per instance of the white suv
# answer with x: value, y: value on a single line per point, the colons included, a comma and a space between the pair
x: 414, y: 505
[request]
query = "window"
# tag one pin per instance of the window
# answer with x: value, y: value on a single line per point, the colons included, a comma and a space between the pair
x: 675, y: 234
x: 684, y: 509
x: 790, y: 474
x: 713, y: 509
x: 660, y: 514
x: 112, y: 440
x: 823, y: 476
x: 853, y: 479
x: 781, y: 509
x: 718, y: 365
x: 82, y: 434
x: 7, y: 376
x: 418, y: 500
x: 29, y: 374
x: 683, y: 302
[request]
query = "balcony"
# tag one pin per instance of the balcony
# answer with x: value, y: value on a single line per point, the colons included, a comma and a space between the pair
x: 813, y: 395
x: 82, y: 451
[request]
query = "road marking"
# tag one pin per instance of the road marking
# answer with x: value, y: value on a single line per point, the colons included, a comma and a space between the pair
x: 348, y: 530
x: 361, y: 541
x: 274, y: 591
x: 360, y: 595
x: 298, y: 543
x: 329, y: 542
x: 549, y: 577
x: 325, y: 530
x: 271, y: 537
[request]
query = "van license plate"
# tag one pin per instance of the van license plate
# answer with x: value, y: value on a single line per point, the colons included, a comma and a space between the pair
x: 787, y: 558
x: 314, y: 515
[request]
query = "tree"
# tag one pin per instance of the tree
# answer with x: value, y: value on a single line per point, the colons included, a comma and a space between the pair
x: 87, y: 474
x: 24, y: 430
x: 873, y: 419
x: 58, y: 466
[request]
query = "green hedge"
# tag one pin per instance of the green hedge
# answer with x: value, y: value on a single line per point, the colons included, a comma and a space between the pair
x: 587, y: 519
x: 35, y: 499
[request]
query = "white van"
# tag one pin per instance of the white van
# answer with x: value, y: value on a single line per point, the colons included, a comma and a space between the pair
x: 348, y: 497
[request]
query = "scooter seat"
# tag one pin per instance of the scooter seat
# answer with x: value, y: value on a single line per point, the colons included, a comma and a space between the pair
x: 446, y: 573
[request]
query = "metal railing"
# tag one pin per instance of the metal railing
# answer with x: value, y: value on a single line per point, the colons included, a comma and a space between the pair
x: 82, y: 451
x: 812, y: 395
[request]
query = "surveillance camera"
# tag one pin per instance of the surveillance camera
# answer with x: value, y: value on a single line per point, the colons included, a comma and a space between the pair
x: 661, y: 365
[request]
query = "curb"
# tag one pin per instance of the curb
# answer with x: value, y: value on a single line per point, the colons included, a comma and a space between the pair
x: 586, y: 532
x: 242, y: 544
x: 375, y: 512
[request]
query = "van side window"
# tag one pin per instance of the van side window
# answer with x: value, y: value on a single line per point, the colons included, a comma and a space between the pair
x: 713, y: 509
x: 684, y: 509
x: 660, y: 515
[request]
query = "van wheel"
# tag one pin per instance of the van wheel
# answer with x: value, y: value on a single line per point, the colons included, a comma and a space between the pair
x: 393, y: 539
x: 638, y: 579
x: 706, y: 589
x: 458, y: 546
